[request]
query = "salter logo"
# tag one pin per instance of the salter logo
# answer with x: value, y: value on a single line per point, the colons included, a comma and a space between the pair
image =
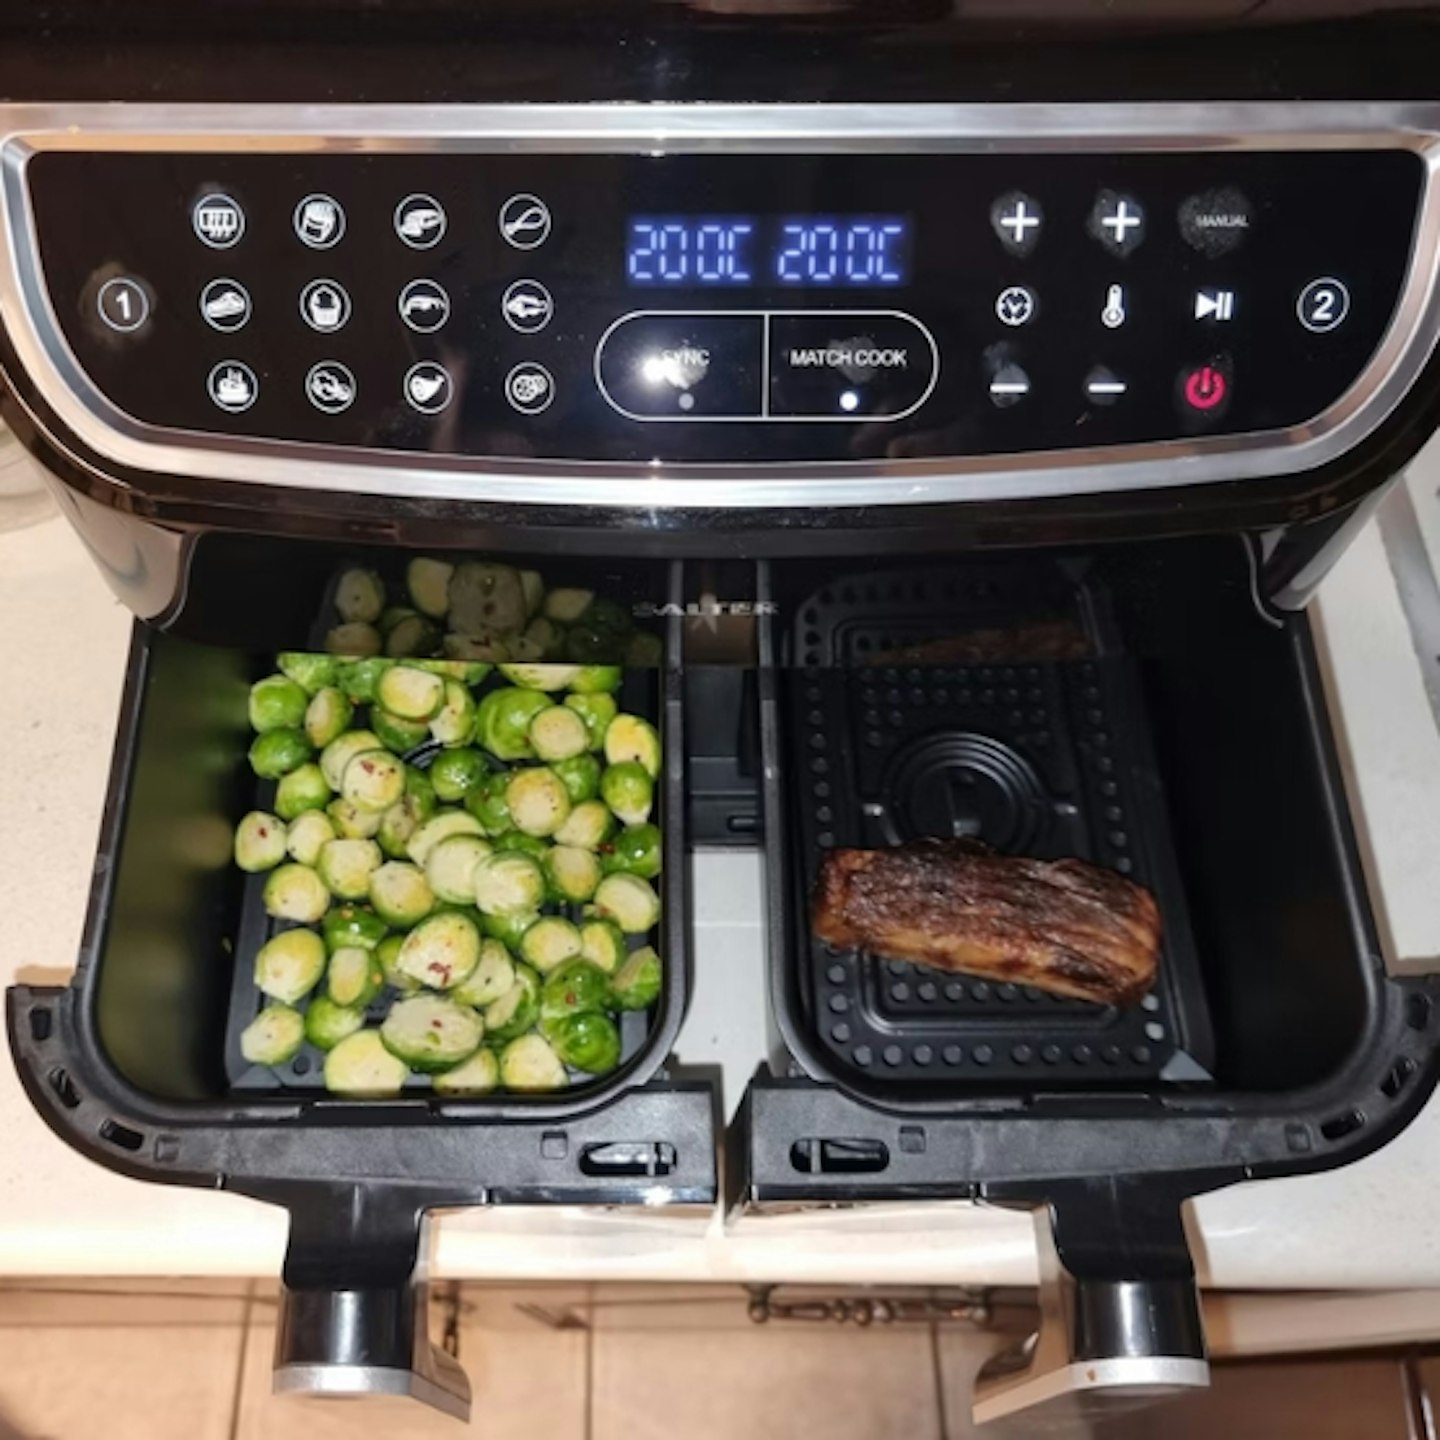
x: 706, y: 609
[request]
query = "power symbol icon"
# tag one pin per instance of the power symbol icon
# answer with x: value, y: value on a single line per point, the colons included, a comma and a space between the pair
x: 1206, y: 388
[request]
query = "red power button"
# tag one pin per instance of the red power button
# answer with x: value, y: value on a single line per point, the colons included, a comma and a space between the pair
x: 1206, y: 388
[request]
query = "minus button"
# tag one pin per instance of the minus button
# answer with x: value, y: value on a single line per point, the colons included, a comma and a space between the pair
x: 1009, y: 386
x: 1104, y: 387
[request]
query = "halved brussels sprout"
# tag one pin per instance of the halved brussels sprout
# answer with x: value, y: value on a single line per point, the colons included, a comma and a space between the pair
x: 374, y: 780
x: 539, y: 676
x: 530, y: 1064
x: 398, y: 826
x: 420, y: 790
x: 450, y: 867
x: 387, y: 952
x: 532, y: 586
x: 411, y: 693
x: 484, y: 650
x: 398, y: 735
x: 478, y: 1075
x: 361, y: 1066
x: 327, y: 1024
x: 401, y: 894
x: 356, y: 639
x: 411, y: 635
x: 296, y: 892
x: 301, y: 790
x: 277, y: 703
x: 589, y: 825
x: 517, y: 1010
x: 502, y: 722
x: 509, y: 884
x: 428, y: 582
x: 442, y: 951
x: 488, y: 805
x: 636, y: 850
x: 455, y: 773
x: 431, y: 1033
x: 346, y: 867
x: 636, y: 984
x: 306, y: 834
x: 289, y: 966
x: 538, y: 801
x: 509, y: 927
x: 573, y: 988
x: 273, y: 1037
x: 359, y: 595
x: 490, y: 979
x: 573, y: 872
x: 353, y: 925
x: 337, y: 755
x: 588, y: 1042
x: 312, y: 672
x: 628, y: 737
x: 597, y: 679
x: 328, y: 716
x: 355, y: 976
x: 360, y: 679
x: 580, y: 776
x: 278, y: 752
x: 558, y: 734
x: 440, y: 826
x: 531, y: 845
x: 351, y: 822
x: 629, y: 791
x: 597, y: 711
x: 486, y: 599
x: 454, y: 722
x: 602, y: 943
x: 629, y: 901
x: 259, y: 842
x: 549, y: 943
x: 567, y: 606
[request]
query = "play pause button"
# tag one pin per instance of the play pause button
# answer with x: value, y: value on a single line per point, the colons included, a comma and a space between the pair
x: 1214, y: 304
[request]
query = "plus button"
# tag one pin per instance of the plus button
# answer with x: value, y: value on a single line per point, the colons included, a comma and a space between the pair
x: 1121, y: 222
x: 1118, y: 221
x: 1017, y: 219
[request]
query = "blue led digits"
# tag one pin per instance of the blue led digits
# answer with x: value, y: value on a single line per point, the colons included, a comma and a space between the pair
x: 830, y: 251
x: 689, y: 252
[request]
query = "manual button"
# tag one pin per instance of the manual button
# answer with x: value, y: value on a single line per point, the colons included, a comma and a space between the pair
x: 664, y: 365
x: 849, y: 364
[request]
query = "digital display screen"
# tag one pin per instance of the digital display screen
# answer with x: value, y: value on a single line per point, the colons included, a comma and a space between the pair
x: 836, y: 251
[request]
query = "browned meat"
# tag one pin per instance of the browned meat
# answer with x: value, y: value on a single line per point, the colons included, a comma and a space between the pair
x: 1061, y: 925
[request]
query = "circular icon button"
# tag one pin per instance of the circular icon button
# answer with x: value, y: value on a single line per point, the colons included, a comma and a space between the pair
x: 233, y: 386
x: 330, y: 386
x: 325, y: 306
x: 530, y: 388
x: 1016, y: 305
x: 420, y: 221
x: 525, y: 221
x: 424, y: 306
x: 527, y: 306
x: 428, y: 387
x: 218, y: 221
x: 225, y: 305
x: 123, y: 304
x: 1323, y: 305
x: 319, y: 221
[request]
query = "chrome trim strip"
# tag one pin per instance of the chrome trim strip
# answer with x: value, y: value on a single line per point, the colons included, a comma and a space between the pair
x: 649, y: 489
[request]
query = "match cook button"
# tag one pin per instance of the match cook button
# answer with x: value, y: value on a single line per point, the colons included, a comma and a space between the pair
x: 849, y: 365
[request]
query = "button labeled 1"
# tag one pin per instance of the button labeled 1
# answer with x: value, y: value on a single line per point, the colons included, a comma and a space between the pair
x: 123, y: 304
x: 1323, y: 305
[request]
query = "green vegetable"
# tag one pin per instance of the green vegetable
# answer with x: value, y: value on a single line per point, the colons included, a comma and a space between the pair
x: 353, y: 925
x: 442, y: 951
x: 307, y: 833
x: 398, y: 826
x: 351, y: 822
x: 636, y: 850
x: 517, y: 1010
x: 518, y: 840
x: 490, y: 979
x: 540, y: 676
x: 278, y: 752
x: 359, y: 595
x: 532, y: 586
x: 597, y: 711
x: 394, y: 615
x: 545, y: 638
x: 558, y: 734
x: 277, y: 703
x: 428, y: 582
x: 440, y: 826
x: 360, y: 1065
x: 608, y: 617
x: 346, y: 866
x: 354, y: 977
x: 328, y: 716
x: 388, y: 953
x: 575, y: 987
x: 259, y: 842
x: 478, y: 1075
x: 567, y: 606
x: 629, y: 791
x: 509, y: 927
x: 486, y: 599
x: 374, y: 780
x: 450, y: 867
x: 455, y: 773
x: 486, y: 649
x: 273, y: 1037
x: 502, y: 722
x: 573, y: 873
x: 420, y: 790
x: 289, y: 966
x: 411, y: 693
x: 454, y: 722
x: 401, y: 894
x: 580, y: 775
x: 360, y: 679
x: 538, y: 801
x: 597, y: 679
x: 311, y: 672
x: 488, y: 805
x: 296, y: 892
x: 430, y: 1032
x: 356, y: 639
x: 636, y: 984
x: 629, y: 901
x: 411, y: 635
x: 589, y: 1042
x: 629, y: 738
x: 603, y: 944
x: 644, y: 652
x: 508, y: 884
x: 589, y: 826
x: 529, y: 1064
x: 327, y: 1024
x: 301, y: 790
x: 395, y: 734
x: 550, y: 942
x: 337, y: 755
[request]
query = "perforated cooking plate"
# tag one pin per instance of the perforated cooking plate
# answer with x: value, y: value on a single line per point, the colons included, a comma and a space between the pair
x: 1042, y: 751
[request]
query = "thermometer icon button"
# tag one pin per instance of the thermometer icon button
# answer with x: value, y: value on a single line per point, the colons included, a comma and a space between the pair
x: 1112, y: 317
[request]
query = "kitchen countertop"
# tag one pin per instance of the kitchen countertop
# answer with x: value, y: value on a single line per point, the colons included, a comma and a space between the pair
x: 1368, y: 1225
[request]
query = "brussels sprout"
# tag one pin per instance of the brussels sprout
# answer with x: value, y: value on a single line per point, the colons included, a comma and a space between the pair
x: 589, y: 826
x: 454, y: 722
x: 296, y: 892
x: 486, y: 599
x: 440, y: 826
x: 450, y: 867
x: 627, y: 738
x: 636, y: 850
x: 509, y: 927
x: 488, y: 650
x: 273, y: 1037
x: 517, y: 1010
x: 398, y: 826
x: 289, y: 966
x: 609, y: 617
x: 306, y: 834
x: 502, y: 722
x: 549, y: 942
x: 629, y: 901
x: 644, y: 652
x: 412, y: 635
x: 580, y: 775
x: 596, y: 679
x: 589, y: 1042
x: 488, y: 805
x: 353, y: 926
x: 277, y: 703
x: 629, y: 791
x: 478, y: 1075
x: 428, y: 582
x: 259, y: 842
x: 529, y: 1064
x: 518, y: 840
x: 360, y: 1065
x: 467, y: 672
x: 401, y: 894
x: 538, y: 801
x: 354, y: 976
x: 301, y: 790
x: 327, y: 1024
x: 442, y: 951
x: 359, y: 679
x: 636, y: 984
x: 455, y: 773
x: 508, y: 884
x: 567, y: 606
x: 394, y: 615
x: 411, y: 693
x: 558, y: 734
x: 278, y: 752
x: 545, y: 638
x: 597, y: 711
x: 539, y: 676
x: 346, y: 866
x: 603, y: 944
x: 575, y: 987
x: 338, y: 754
x: 490, y: 979
x: 351, y: 822
x: 310, y: 671
x: 374, y: 780
x: 398, y: 735
x: 430, y: 1032
x: 328, y: 716
x: 360, y: 595
x: 532, y: 586
x: 526, y: 648
x: 573, y: 873
x: 387, y: 952
x: 355, y: 640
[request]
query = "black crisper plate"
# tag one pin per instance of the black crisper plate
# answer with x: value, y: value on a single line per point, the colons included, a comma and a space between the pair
x: 1030, y: 752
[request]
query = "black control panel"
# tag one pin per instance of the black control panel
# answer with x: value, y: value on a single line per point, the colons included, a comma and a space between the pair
x: 719, y: 307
